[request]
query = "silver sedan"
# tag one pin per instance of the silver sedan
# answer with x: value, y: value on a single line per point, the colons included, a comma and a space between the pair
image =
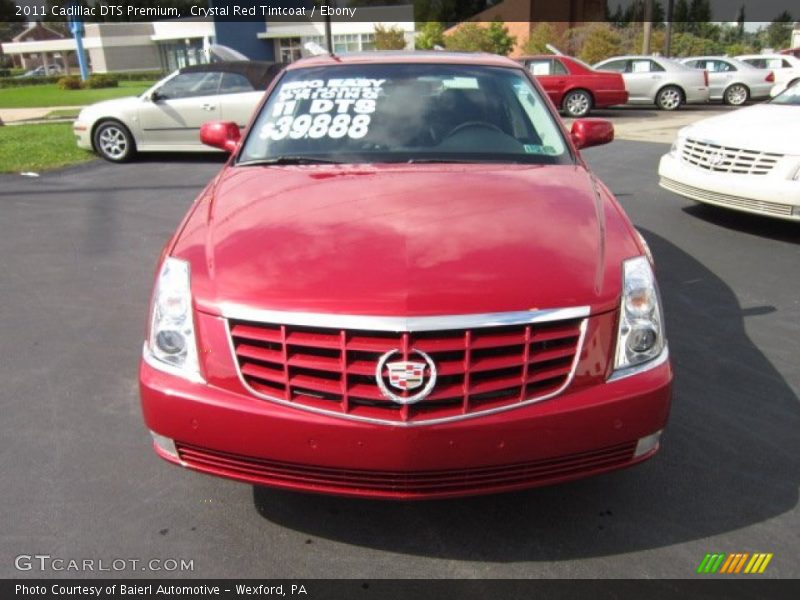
x: 732, y: 81
x: 657, y: 80
x: 168, y: 116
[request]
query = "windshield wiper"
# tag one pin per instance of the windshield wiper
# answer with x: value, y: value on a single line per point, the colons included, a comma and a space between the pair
x: 289, y: 160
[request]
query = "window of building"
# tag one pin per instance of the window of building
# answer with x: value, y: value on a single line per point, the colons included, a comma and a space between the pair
x: 344, y: 43
x: 176, y: 55
x: 290, y: 49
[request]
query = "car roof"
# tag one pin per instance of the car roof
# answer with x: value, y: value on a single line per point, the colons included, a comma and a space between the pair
x: 406, y: 57
x: 538, y: 56
x: 637, y: 56
x: 774, y: 55
x: 258, y: 73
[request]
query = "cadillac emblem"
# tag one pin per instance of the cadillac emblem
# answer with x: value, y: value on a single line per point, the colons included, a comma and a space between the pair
x: 405, y: 375
x: 716, y: 159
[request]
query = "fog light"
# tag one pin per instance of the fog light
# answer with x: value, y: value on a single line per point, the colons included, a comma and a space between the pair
x: 170, y: 342
x: 166, y: 445
x: 647, y: 444
x: 642, y: 337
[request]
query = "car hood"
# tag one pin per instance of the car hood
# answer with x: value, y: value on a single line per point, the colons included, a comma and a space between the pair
x: 763, y: 127
x: 408, y: 240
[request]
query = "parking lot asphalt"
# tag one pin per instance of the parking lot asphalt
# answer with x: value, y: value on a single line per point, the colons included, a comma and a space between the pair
x: 80, y: 481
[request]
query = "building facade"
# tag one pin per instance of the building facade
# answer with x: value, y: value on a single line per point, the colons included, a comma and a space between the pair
x: 170, y: 45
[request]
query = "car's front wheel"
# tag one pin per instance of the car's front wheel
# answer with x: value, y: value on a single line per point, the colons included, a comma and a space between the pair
x: 114, y: 142
x: 577, y: 103
x: 669, y: 98
x: 736, y: 95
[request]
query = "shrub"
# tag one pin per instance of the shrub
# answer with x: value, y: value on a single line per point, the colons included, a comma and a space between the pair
x: 389, y: 38
x: 102, y: 80
x: 430, y: 35
x: 70, y: 82
x: 10, y: 82
x: 471, y: 37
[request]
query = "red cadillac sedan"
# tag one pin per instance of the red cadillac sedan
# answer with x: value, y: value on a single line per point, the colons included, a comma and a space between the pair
x: 405, y: 283
x: 575, y: 87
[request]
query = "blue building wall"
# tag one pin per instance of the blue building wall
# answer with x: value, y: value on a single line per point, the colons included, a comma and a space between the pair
x: 243, y: 35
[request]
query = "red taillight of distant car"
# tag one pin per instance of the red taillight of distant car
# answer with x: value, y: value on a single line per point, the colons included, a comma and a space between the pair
x: 770, y: 77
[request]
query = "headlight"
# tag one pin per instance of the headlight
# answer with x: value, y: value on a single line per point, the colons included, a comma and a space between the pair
x: 641, y: 331
x: 676, y: 147
x: 171, y: 344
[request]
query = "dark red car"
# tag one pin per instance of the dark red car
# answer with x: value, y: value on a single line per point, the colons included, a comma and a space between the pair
x: 405, y: 283
x: 574, y: 86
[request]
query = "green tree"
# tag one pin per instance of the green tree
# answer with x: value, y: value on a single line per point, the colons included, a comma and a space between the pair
x: 592, y: 43
x: 699, y: 15
x: 389, y: 38
x: 472, y: 37
x: 740, y: 21
x: 541, y: 35
x: 500, y: 40
x: 779, y: 31
x: 444, y: 11
x: 10, y: 24
x: 680, y: 16
x: 429, y: 35
x: 688, y: 44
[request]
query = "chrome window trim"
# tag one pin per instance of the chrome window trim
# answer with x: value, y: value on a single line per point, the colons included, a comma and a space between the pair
x: 637, y: 369
x: 401, y: 324
x: 441, y: 420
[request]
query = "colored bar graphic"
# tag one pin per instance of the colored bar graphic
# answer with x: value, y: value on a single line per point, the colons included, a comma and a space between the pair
x: 719, y: 562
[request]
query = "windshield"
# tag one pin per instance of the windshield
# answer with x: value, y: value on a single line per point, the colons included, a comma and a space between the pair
x: 405, y: 113
x: 790, y: 96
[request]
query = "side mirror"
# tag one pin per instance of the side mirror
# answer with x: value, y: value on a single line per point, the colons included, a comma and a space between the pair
x: 592, y: 132
x: 224, y: 135
x: 156, y: 96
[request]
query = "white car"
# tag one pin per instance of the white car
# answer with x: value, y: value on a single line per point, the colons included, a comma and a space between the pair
x: 732, y: 81
x: 747, y: 160
x: 657, y: 80
x: 785, y: 66
x: 168, y: 116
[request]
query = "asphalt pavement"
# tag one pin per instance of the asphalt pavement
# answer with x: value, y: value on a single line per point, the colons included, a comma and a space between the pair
x: 77, y: 252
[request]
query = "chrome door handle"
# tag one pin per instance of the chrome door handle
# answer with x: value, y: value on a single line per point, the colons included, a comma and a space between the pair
x: 208, y: 107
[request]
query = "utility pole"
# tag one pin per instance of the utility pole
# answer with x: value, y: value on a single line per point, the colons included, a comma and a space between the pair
x: 668, y: 40
x: 76, y: 28
x: 328, y: 34
x: 648, y: 26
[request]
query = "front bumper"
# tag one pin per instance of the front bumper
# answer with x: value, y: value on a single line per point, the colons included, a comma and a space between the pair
x: 83, y: 134
x: 773, y: 195
x: 591, y: 430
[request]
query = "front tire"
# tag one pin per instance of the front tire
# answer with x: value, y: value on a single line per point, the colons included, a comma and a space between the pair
x: 577, y: 103
x: 114, y: 142
x: 736, y: 94
x: 669, y: 98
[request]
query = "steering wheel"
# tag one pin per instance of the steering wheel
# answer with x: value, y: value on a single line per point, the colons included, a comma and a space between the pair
x: 483, y: 124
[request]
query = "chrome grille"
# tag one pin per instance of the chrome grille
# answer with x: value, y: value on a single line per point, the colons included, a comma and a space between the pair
x: 760, y: 206
x: 725, y: 159
x: 334, y: 370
